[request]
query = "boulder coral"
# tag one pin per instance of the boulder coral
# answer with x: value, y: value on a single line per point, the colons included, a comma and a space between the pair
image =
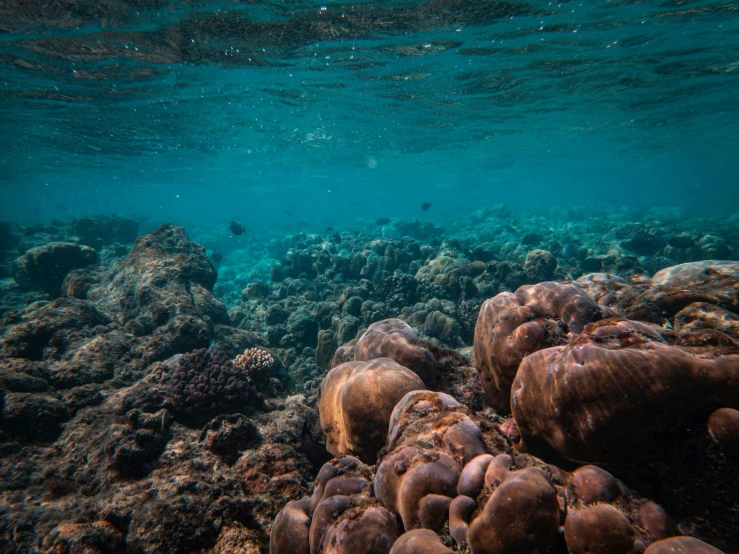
x: 419, y: 541
x: 357, y: 399
x: 513, y: 325
x: 429, y: 438
x: 394, y: 339
x: 520, y: 515
x: 603, y: 396
x: 341, y: 517
x: 442, y: 464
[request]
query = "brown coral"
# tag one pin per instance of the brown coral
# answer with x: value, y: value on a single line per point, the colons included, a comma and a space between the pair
x: 602, y: 396
x: 340, y: 518
x: 394, y: 339
x: 512, y: 325
x: 419, y: 541
x: 357, y: 399
x: 681, y: 545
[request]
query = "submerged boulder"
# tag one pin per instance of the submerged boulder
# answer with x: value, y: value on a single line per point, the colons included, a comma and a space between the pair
x: 164, y: 276
x: 45, y: 267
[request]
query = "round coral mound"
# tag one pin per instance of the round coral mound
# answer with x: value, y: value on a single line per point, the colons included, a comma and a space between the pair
x: 206, y: 383
x: 357, y: 399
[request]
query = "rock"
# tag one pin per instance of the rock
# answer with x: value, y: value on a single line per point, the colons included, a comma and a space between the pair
x: 33, y: 416
x: 136, y: 442
x: 99, y: 536
x: 229, y: 435
x: 256, y: 290
x: 45, y: 267
x: 164, y: 275
x: 540, y: 265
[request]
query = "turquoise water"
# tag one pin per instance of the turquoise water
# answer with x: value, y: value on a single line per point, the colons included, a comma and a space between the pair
x: 204, y: 111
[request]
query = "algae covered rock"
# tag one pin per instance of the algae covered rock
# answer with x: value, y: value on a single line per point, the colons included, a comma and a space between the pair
x: 45, y: 267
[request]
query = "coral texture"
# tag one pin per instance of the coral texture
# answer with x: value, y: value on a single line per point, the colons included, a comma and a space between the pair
x: 206, y: 383
x: 357, y: 399
x: 394, y: 339
x: 513, y: 325
x: 601, y: 397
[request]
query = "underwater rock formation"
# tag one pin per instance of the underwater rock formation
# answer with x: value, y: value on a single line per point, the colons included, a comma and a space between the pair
x: 163, y: 278
x: 45, y: 267
x: 102, y: 451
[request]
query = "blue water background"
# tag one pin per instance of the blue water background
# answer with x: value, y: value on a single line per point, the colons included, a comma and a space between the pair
x: 203, y: 112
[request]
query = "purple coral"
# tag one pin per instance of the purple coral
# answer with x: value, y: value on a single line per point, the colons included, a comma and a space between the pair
x: 206, y: 383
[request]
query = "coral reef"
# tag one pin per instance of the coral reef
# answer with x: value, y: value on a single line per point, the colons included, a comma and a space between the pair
x: 513, y: 325
x: 394, y: 339
x: 604, y: 395
x: 155, y: 402
x: 442, y: 464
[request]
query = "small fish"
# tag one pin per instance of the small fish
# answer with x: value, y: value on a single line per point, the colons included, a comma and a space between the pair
x: 382, y: 221
x: 289, y: 212
x: 216, y: 257
x: 237, y: 228
x: 424, y: 444
x: 425, y: 206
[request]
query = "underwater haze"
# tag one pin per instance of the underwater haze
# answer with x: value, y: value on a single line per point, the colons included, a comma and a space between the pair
x: 204, y: 111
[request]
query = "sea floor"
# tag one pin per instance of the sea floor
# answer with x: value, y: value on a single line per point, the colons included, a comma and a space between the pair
x: 172, y: 389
